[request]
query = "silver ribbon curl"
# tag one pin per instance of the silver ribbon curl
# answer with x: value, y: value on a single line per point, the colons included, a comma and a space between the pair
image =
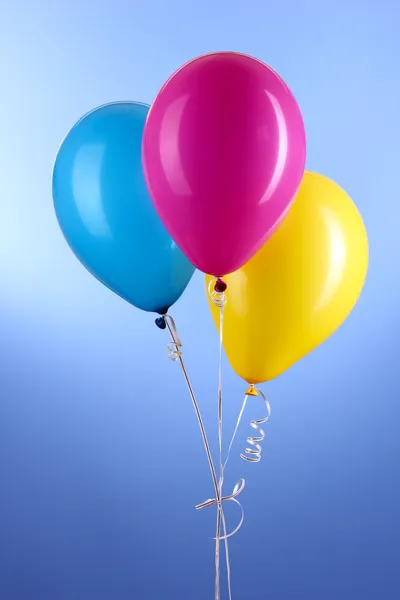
x: 175, y: 345
x: 218, y: 298
x: 254, y: 453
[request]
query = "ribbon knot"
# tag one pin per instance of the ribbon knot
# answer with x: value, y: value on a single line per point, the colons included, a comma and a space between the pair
x: 238, y: 489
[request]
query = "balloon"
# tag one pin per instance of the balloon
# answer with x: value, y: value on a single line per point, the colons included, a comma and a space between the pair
x: 223, y: 153
x: 300, y: 287
x: 105, y: 212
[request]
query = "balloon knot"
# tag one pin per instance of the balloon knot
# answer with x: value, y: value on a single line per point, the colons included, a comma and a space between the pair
x: 220, y: 286
x: 251, y: 391
x: 160, y: 322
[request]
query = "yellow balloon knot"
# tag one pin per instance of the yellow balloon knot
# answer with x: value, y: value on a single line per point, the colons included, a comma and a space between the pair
x: 251, y: 391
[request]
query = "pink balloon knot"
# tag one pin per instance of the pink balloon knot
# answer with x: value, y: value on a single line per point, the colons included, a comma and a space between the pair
x: 220, y: 286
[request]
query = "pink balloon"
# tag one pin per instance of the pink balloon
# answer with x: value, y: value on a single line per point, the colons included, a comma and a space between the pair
x: 223, y: 154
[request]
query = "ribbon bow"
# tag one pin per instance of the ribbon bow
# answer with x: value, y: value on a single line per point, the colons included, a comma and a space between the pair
x: 238, y: 489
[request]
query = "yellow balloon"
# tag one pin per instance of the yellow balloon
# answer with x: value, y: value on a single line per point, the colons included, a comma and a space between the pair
x: 300, y: 287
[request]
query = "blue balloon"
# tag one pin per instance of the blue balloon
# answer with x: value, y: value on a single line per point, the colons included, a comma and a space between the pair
x: 106, y: 214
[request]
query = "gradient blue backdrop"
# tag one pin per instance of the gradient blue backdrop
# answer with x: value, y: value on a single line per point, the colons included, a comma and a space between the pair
x: 101, y: 462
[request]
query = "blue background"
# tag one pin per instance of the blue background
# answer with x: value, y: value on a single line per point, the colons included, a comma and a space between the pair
x: 101, y: 462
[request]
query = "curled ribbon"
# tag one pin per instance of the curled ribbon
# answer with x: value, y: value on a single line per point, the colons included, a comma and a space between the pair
x: 254, y: 453
x: 175, y: 344
x: 218, y: 298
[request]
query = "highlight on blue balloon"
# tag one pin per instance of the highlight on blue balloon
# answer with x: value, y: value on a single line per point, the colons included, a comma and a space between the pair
x: 105, y: 212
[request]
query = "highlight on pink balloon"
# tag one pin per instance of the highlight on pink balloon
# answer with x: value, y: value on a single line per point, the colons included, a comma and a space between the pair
x: 224, y: 154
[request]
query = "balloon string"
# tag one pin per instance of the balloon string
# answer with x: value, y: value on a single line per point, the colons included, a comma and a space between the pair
x: 219, y: 299
x: 220, y: 435
x: 175, y: 354
x: 235, y: 430
x: 220, y: 404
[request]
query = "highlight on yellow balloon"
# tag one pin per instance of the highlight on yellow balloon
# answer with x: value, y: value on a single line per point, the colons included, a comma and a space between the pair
x: 300, y: 287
